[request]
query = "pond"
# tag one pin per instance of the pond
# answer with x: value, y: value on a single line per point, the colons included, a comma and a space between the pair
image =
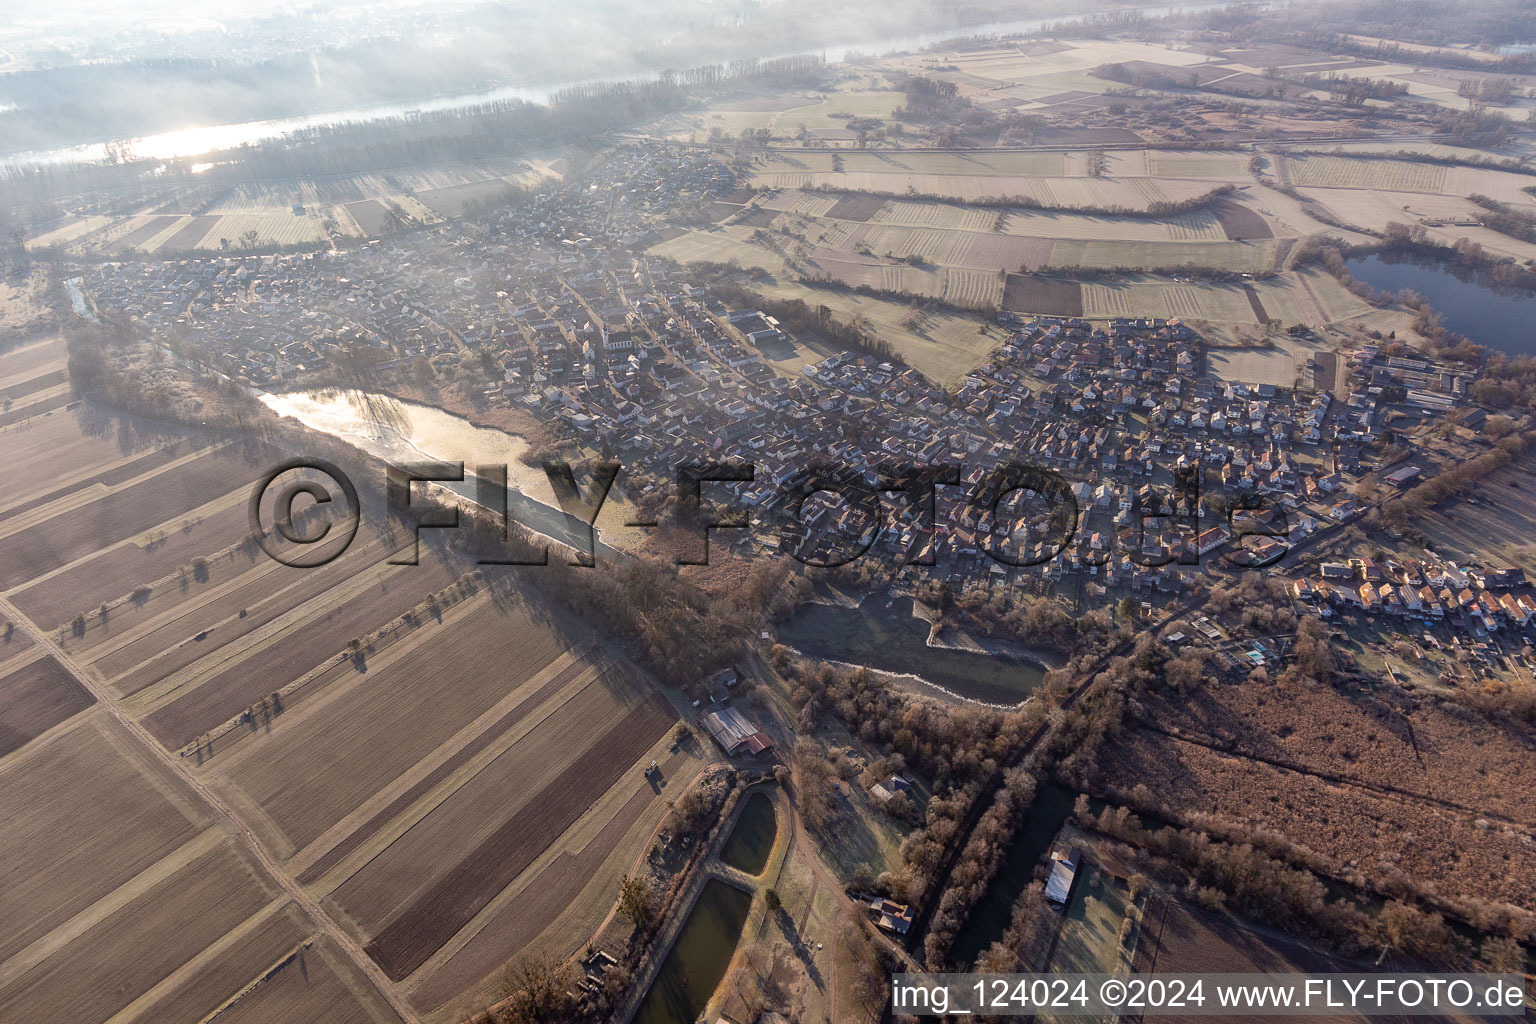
x: 699, y: 958
x: 884, y: 635
x: 991, y: 917
x: 752, y: 839
x: 1470, y: 302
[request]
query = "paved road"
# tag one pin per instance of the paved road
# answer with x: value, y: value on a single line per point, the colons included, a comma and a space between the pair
x: 227, y: 817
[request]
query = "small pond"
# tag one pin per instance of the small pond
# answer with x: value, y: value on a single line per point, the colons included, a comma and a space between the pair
x: 699, y: 957
x: 752, y: 839
x: 884, y: 635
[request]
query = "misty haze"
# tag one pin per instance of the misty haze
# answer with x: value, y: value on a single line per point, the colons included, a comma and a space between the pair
x: 756, y: 512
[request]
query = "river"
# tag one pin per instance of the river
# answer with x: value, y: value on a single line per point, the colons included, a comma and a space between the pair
x: 202, y: 139
x: 1490, y: 314
x: 399, y: 432
x: 884, y: 635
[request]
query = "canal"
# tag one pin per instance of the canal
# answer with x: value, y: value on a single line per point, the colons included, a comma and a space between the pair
x: 990, y: 919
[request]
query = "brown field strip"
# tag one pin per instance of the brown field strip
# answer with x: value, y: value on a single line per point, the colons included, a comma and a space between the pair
x: 12, y: 648
x: 1255, y: 304
x: 48, y: 453
x: 111, y: 574
x: 121, y: 514
x: 50, y: 379
x: 860, y: 208
x: 312, y: 772
x: 273, y: 666
x: 264, y: 591
x: 41, y: 407
x: 211, y: 983
x: 81, y: 819
x: 1043, y: 296
x: 436, y: 777
x: 27, y: 358
x: 144, y: 232
x: 34, y: 699
x: 320, y: 986
x: 371, y: 216
x: 100, y: 972
x: 545, y: 897
x: 522, y: 763
x: 189, y: 234
x: 435, y: 915
x: 113, y: 477
x: 450, y: 200
x: 1241, y: 223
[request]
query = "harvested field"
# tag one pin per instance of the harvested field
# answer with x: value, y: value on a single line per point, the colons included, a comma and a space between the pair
x: 81, y: 819
x: 34, y: 699
x: 319, y: 985
x: 219, y: 978
x: 859, y: 208
x: 1043, y: 296
x: 27, y: 360
x: 40, y: 457
x: 1353, y: 829
x: 122, y: 514
x: 972, y: 289
x: 190, y: 234
x: 757, y: 218
x: 954, y: 217
x: 136, y: 946
x: 555, y: 737
x: 1243, y: 257
x: 324, y: 763
x: 271, y: 592
x: 41, y: 407
x: 110, y: 575
x: 1175, y: 938
x: 1007, y: 252
x: 723, y: 245
x: 438, y: 913
x: 557, y: 682
x: 41, y: 382
x: 307, y: 643
x: 69, y: 230
x: 544, y: 897
x: 371, y: 215
x: 450, y: 200
x: 1239, y: 222
x: 1308, y: 170
x: 1419, y: 748
x: 144, y: 232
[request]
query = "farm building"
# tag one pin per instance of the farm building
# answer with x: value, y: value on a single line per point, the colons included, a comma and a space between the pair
x: 1058, y: 888
x: 735, y: 734
x: 893, y: 917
